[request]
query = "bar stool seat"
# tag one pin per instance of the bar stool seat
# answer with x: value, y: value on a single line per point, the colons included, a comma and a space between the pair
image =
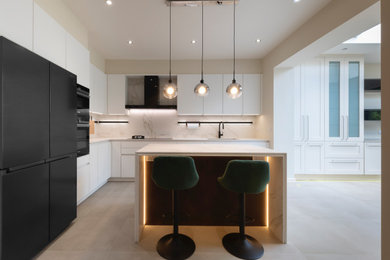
x: 244, y: 176
x: 175, y: 173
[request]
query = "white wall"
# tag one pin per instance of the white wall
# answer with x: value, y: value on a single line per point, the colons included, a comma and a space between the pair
x: 372, y: 70
x: 284, y: 115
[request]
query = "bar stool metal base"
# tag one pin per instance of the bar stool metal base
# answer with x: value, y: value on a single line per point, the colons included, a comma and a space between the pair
x: 175, y: 247
x: 244, y: 247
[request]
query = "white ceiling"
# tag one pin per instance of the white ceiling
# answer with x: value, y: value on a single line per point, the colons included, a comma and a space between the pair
x: 371, y: 51
x: 146, y: 22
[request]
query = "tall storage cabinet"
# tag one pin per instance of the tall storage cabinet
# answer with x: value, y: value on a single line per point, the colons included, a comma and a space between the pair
x: 329, y: 116
x: 344, y: 115
x: 309, y: 117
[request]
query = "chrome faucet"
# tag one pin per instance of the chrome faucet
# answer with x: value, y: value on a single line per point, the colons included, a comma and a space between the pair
x: 220, y: 130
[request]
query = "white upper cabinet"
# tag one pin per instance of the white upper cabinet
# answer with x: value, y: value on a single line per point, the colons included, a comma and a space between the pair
x: 344, y: 100
x: 98, y: 90
x: 188, y: 103
x: 77, y: 60
x: 16, y: 18
x: 231, y: 106
x: 213, y: 102
x: 49, y: 38
x: 217, y: 101
x: 116, y: 94
x: 251, y: 94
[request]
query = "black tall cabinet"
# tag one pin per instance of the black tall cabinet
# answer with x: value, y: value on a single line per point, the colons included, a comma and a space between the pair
x: 37, y: 151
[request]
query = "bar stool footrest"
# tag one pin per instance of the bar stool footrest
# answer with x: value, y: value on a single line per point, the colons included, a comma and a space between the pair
x: 244, y: 247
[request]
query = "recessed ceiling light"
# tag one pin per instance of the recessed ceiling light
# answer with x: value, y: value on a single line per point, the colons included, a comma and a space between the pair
x: 258, y: 40
x: 193, y: 41
x: 108, y: 2
x: 297, y: 1
x: 130, y: 42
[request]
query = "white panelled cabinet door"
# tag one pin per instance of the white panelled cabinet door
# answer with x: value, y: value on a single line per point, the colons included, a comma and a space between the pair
x: 115, y: 159
x: 312, y: 82
x: 94, y: 159
x: 50, y: 38
x: 373, y: 158
x: 98, y: 90
x: 314, y: 158
x: 77, y: 60
x: 251, y: 94
x: 213, y: 101
x: 116, y: 94
x: 128, y: 166
x: 231, y: 106
x: 15, y: 21
x: 187, y: 102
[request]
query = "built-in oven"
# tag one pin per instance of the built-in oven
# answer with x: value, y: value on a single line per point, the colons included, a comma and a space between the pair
x: 82, y: 120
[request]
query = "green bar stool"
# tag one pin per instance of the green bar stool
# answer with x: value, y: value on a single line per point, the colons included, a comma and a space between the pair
x: 244, y: 176
x: 175, y: 173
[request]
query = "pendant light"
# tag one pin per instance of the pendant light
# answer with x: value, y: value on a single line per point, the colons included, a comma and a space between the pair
x: 170, y: 89
x: 202, y: 89
x: 234, y: 90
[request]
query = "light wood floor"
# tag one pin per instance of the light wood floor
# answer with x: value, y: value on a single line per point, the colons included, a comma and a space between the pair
x: 326, y: 220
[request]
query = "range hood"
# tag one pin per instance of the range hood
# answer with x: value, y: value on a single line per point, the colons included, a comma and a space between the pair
x: 195, y: 3
x: 145, y: 92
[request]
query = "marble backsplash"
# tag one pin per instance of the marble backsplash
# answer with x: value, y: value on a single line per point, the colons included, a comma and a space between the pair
x: 163, y: 124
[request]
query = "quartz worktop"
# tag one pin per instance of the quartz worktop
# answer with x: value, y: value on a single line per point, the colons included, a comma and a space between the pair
x: 163, y: 139
x: 207, y: 149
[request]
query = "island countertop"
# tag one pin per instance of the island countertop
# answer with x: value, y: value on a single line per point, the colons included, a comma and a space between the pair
x: 207, y: 149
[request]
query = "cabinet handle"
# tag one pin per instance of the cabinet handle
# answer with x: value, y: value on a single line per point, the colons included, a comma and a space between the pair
x: 303, y: 128
x: 308, y: 128
x: 342, y: 127
x: 344, y: 161
x: 346, y: 128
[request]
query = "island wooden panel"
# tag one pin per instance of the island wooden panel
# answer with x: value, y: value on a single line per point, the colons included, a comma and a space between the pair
x: 208, y: 203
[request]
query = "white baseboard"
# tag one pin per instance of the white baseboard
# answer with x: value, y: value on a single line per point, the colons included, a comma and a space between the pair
x: 336, y: 177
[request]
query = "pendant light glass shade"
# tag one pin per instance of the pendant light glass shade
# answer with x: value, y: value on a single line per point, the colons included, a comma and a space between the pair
x: 234, y: 90
x: 202, y: 89
x: 170, y: 89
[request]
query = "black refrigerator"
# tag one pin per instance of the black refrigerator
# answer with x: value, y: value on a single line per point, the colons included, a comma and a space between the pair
x: 38, y: 151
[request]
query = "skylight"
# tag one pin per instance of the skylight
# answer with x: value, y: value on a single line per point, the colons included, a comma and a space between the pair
x: 372, y: 35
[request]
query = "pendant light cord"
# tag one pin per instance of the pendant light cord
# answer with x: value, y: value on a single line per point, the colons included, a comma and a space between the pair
x: 202, y: 42
x: 170, y: 41
x: 234, y: 42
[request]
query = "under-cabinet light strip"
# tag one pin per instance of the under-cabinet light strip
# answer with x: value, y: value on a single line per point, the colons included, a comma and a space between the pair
x: 111, y: 122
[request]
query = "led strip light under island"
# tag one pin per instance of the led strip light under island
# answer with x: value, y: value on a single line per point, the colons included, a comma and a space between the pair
x: 267, y: 210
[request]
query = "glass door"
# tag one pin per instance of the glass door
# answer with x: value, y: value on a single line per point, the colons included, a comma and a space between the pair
x: 354, y: 107
x: 333, y: 118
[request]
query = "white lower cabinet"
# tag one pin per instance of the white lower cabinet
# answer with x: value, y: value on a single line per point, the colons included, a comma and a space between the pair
x: 128, y: 166
x: 309, y: 158
x: 344, y: 166
x: 372, y: 158
x: 83, y: 177
x: 93, y: 170
x: 123, y: 158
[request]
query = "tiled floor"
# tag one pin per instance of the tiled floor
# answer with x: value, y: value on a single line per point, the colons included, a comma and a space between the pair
x: 326, y: 220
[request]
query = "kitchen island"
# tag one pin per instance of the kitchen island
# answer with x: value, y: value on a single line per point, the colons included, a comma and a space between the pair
x: 208, y: 204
